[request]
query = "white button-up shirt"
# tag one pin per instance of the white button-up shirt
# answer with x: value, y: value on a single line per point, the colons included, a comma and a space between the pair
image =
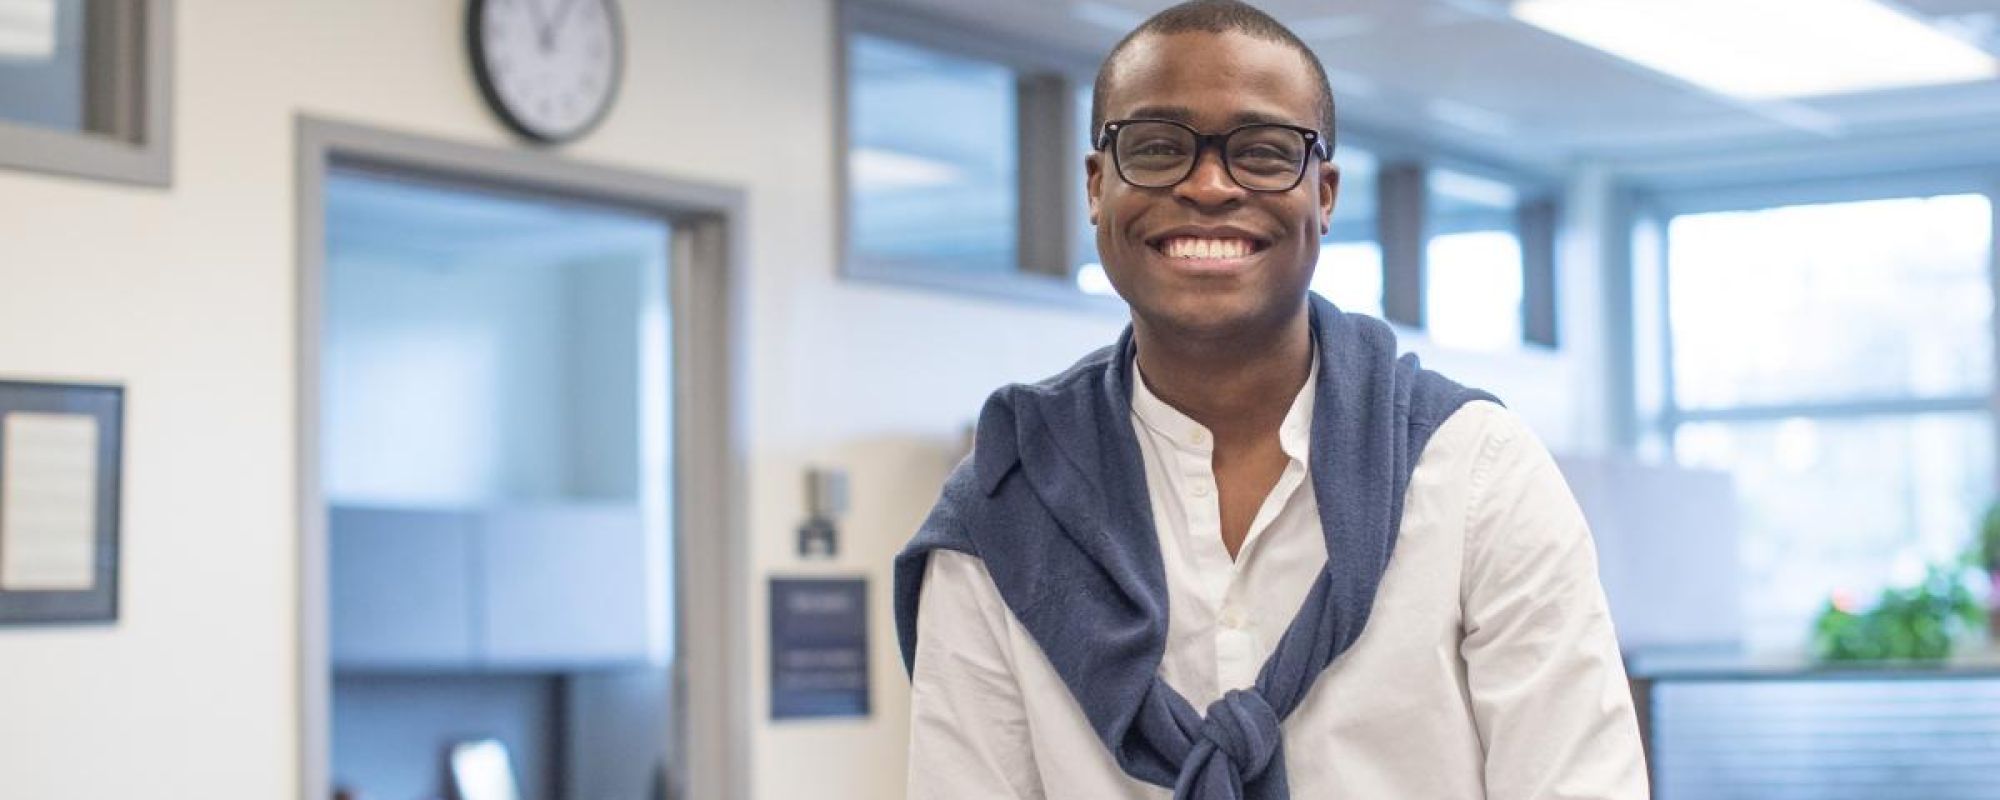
x: 1488, y: 668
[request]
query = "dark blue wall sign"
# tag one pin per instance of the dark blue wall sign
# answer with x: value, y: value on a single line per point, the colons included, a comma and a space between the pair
x: 819, y: 647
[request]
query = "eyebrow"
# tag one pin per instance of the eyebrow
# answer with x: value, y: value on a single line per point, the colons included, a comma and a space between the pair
x: 1185, y: 115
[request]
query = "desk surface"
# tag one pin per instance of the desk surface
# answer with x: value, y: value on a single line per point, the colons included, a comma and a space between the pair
x: 1739, y: 665
x: 1723, y: 664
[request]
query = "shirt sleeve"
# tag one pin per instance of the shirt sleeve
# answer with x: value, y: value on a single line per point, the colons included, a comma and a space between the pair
x: 1546, y: 682
x: 969, y: 737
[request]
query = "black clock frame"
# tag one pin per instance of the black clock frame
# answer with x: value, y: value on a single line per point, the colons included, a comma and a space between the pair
x: 476, y: 11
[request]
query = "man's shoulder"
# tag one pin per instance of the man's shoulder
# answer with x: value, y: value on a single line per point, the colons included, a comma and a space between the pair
x: 1436, y: 397
x: 1477, y: 420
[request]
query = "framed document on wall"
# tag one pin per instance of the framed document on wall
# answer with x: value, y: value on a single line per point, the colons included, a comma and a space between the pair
x: 60, y: 453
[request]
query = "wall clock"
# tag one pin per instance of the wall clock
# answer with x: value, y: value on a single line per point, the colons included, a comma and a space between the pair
x: 549, y: 68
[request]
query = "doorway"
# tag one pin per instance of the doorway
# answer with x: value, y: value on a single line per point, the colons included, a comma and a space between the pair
x: 518, y: 473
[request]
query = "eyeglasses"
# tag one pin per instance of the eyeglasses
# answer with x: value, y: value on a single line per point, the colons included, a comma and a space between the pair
x: 1158, y: 153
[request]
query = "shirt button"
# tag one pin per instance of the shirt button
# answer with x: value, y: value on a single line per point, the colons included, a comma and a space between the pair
x: 1201, y: 490
x: 1232, y: 619
x: 1200, y: 438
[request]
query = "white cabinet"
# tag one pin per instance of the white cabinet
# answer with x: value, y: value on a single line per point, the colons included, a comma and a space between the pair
x: 522, y: 588
x: 566, y: 585
x: 402, y: 587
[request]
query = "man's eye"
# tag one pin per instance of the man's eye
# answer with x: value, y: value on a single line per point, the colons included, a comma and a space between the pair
x: 1157, y: 148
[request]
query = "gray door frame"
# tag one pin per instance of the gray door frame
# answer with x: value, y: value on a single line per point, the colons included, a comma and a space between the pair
x: 713, y: 645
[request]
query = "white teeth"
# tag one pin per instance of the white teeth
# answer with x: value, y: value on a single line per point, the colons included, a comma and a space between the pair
x: 1198, y: 247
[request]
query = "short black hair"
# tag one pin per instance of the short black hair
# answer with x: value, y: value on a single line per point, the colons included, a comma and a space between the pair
x: 1215, y: 16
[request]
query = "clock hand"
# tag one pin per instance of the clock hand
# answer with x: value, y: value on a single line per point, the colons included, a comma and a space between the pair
x: 540, y: 22
x: 555, y: 21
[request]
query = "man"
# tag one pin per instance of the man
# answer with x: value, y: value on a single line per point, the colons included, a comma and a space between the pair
x: 1247, y: 552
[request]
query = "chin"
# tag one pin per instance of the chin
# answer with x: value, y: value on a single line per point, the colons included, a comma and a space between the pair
x: 1207, y: 314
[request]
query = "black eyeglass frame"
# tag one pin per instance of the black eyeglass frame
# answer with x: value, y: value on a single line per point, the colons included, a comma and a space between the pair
x: 1315, y: 145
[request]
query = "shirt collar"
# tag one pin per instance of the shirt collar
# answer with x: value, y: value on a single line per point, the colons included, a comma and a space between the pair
x: 1294, y: 435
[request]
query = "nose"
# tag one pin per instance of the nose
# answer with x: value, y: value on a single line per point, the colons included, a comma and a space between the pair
x: 1209, y: 184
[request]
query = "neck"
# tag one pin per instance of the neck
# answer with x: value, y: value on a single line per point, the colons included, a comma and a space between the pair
x: 1239, y: 386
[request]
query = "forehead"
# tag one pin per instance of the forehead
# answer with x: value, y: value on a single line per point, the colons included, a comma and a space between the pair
x: 1212, y: 81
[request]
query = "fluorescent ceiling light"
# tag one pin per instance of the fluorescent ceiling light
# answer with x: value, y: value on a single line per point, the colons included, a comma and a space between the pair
x: 1764, y: 49
x: 874, y: 169
x: 27, y: 30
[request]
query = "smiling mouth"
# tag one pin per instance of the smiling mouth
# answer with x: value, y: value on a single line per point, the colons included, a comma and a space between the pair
x: 1207, y: 248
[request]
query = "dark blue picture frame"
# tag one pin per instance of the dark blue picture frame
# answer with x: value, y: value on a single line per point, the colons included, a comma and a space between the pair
x: 106, y: 404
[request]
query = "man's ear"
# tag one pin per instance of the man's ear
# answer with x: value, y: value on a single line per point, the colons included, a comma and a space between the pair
x: 1329, y: 192
x: 1093, y: 181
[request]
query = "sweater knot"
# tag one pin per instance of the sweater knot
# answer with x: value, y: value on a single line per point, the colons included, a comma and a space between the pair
x: 1244, y: 729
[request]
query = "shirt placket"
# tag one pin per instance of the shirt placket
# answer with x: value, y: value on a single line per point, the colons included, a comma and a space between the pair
x: 1204, y: 515
x: 1238, y: 652
x: 1235, y: 644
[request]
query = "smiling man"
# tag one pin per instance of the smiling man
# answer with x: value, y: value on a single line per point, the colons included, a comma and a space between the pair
x: 1247, y: 551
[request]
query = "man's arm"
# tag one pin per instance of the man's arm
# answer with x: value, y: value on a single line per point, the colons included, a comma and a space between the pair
x: 968, y: 727
x: 1548, y: 688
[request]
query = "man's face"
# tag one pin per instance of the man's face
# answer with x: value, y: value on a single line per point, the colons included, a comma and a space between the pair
x: 1156, y: 243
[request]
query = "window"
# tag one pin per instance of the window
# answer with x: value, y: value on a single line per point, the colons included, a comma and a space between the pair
x: 1887, y: 298
x: 1349, y: 271
x: 1473, y: 268
x: 964, y: 160
x: 1469, y: 259
x: 1838, y: 360
x: 83, y: 88
x: 933, y: 181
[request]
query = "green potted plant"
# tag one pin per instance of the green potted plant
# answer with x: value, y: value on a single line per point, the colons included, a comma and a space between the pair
x: 1914, y: 623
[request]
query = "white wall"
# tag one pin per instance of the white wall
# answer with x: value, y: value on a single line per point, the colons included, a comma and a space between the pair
x: 186, y: 296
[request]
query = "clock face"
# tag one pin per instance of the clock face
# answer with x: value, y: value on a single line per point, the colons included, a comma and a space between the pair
x: 549, y: 67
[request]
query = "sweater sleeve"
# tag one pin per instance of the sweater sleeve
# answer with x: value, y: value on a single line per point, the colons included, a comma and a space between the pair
x: 1547, y: 685
x: 969, y: 737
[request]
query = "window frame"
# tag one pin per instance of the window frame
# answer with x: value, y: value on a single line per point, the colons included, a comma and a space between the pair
x: 137, y: 79
x: 1657, y: 416
x: 1048, y: 151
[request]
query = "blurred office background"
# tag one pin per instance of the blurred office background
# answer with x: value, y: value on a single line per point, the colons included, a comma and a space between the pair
x: 438, y: 435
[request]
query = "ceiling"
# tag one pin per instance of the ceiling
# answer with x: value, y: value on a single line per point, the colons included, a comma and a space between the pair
x: 1462, y: 76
